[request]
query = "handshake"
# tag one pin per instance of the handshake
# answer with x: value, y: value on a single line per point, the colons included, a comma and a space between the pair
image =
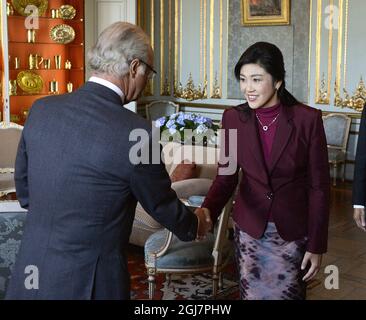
x: 204, y: 223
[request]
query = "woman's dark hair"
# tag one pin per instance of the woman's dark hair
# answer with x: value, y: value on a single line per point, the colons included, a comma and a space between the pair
x: 270, y: 58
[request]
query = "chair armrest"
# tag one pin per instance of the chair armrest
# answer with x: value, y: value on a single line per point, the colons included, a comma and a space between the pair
x: 166, y: 244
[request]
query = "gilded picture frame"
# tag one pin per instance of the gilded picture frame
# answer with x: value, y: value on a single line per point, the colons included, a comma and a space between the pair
x: 265, y: 12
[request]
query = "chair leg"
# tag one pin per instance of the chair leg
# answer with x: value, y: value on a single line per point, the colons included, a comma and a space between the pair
x: 215, y: 282
x: 334, y: 175
x: 151, y: 280
x: 221, y: 281
x: 168, y: 278
x: 344, y: 172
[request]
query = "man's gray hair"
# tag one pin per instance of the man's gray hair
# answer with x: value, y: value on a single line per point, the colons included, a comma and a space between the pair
x: 116, y: 47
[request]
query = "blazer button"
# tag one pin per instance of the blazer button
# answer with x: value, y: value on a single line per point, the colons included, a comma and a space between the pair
x: 270, y: 195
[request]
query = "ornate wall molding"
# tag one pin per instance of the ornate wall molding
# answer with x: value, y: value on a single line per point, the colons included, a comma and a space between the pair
x: 190, y: 92
x: 356, y: 102
x: 189, y: 39
x: 334, y: 28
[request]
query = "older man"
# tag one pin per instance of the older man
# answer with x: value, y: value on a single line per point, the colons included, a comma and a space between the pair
x: 359, y: 180
x: 75, y: 176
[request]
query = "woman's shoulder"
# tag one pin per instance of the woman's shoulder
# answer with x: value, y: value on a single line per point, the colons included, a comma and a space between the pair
x: 234, y: 116
x: 303, y: 110
x: 235, y: 110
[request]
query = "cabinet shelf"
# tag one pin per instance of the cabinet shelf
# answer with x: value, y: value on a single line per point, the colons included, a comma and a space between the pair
x: 36, y: 70
x: 48, y: 43
x: 49, y: 18
x: 42, y: 94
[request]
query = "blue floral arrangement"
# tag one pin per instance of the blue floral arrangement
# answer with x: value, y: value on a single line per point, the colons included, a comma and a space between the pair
x: 187, y: 127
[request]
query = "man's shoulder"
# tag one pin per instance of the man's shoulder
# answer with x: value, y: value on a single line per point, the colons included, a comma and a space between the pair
x: 135, y: 120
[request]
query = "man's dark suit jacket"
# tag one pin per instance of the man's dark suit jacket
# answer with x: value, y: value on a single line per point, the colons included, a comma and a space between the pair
x: 359, y: 179
x: 74, y: 175
x: 295, y: 188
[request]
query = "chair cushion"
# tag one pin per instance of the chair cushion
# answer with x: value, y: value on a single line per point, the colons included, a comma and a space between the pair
x: 335, y: 155
x: 142, y: 217
x: 185, y: 170
x: 7, y: 183
x: 189, y: 187
x: 180, y: 255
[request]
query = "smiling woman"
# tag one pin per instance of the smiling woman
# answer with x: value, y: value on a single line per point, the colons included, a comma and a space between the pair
x: 283, y: 152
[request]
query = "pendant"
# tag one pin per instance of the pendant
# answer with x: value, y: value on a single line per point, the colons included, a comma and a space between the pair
x: 265, y: 128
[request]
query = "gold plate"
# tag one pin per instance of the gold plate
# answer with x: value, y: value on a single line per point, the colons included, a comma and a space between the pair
x: 67, y: 11
x: 21, y: 5
x: 30, y: 82
x: 62, y: 33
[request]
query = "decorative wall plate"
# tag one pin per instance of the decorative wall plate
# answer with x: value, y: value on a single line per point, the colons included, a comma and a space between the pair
x: 67, y: 11
x: 62, y: 33
x: 30, y: 82
x: 21, y: 5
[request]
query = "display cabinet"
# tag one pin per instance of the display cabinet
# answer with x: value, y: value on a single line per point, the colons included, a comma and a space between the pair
x: 40, y: 55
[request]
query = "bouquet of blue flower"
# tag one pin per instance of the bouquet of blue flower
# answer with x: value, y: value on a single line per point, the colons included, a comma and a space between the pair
x: 187, y: 128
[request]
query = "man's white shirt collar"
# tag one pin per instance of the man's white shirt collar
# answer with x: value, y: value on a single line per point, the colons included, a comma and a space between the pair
x: 109, y: 85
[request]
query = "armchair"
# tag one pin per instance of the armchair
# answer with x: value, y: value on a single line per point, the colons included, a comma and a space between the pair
x: 157, y: 109
x: 206, y: 159
x: 9, y: 139
x: 336, y: 128
x: 165, y: 253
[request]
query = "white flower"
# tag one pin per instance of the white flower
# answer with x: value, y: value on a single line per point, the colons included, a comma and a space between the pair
x: 201, y: 129
x: 173, y: 116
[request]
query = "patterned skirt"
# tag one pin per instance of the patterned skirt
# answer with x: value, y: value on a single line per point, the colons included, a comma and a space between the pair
x: 270, y: 267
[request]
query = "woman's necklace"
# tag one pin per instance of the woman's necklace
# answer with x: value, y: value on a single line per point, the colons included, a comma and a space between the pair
x: 265, y: 128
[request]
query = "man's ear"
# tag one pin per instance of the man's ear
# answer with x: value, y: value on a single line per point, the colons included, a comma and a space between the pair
x: 133, y: 67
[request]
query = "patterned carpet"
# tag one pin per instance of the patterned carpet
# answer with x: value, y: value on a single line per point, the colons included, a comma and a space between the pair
x: 187, y: 287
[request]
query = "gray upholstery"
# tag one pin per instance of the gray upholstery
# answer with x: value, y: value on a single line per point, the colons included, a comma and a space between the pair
x: 12, y: 219
x: 336, y: 155
x: 336, y: 127
x: 180, y: 255
x: 158, y: 109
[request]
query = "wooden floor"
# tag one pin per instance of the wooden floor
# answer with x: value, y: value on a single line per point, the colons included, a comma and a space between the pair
x: 346, y: 250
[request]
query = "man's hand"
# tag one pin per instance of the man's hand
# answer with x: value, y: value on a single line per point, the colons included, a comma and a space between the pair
x: 359, y: 217
x: 315, y: 260
x: 204, y: 222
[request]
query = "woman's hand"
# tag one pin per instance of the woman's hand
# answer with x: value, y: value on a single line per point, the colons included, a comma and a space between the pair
x: 359, y: 217
x: 204, y: 224
x: 315, y: 261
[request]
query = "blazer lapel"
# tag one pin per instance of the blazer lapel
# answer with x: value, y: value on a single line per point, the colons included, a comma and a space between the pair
x: 282, y: 136
x: 252, y: 136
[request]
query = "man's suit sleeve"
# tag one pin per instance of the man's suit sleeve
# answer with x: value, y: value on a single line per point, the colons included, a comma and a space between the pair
x: 225, y: 182
x: 151, y: 185
x: 21, y: 174
x: 359, y: 179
